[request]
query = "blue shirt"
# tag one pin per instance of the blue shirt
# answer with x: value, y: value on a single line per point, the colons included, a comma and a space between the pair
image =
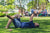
x: 27, y: 24
x: 19, y: 24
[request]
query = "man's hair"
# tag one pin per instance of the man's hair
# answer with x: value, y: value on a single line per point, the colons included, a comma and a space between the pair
x: 37, y: 26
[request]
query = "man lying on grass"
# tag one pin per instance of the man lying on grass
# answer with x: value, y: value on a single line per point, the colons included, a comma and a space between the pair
x: 18, y: 24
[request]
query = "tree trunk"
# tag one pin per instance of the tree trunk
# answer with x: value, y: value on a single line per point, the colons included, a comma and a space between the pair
x: 20, y: 5
x: 35, y: 3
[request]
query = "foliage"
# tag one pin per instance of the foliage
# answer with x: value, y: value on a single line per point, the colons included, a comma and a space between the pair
x: 2, y: 14
x: 11, y: 14
x: 6, y: 8
x: 33, y: 4
x: 10, y: 2
x: 8, y: 5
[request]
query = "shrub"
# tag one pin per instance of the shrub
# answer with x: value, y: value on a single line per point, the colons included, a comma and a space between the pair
x: 11, y: 14
x: 2, y: 14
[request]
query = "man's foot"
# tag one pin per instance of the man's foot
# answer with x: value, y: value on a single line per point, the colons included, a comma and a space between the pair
x: 6, y: 27
x: 10, y: 17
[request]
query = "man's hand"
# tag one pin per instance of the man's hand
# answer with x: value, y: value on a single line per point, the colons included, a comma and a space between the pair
x: 31, y: 18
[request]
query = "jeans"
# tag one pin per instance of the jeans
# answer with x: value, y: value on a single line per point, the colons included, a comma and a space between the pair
x: 17, y: 22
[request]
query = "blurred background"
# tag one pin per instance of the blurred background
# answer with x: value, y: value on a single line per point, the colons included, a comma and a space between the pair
x: 23, y: 7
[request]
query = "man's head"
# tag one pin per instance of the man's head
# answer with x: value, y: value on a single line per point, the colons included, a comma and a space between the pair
x: 36, y: 25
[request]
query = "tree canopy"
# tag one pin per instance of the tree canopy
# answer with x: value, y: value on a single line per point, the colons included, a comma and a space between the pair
x: 6, y: 5
x: 33, y: 4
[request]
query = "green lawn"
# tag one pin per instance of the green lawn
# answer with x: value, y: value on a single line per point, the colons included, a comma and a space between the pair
x: 43, y: 21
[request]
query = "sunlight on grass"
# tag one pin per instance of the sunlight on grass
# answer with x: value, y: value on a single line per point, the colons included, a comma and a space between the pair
x: 0, y: 24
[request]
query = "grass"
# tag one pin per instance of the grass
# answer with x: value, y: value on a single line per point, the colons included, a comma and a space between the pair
x: 43, y: 21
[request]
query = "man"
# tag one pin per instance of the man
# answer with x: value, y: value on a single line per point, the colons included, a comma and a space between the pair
x: 18, y: 24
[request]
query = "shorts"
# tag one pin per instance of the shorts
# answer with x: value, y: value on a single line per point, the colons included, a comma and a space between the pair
x: 31, y: 23
x: 17, y: 23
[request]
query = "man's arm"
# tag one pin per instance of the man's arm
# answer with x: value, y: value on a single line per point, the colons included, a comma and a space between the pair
x: 31, y: 18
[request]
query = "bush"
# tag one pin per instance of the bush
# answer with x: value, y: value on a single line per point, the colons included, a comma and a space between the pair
x: 11, y: 14
x: 2, y: 14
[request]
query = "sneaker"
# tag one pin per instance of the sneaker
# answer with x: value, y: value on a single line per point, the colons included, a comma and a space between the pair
x: 9, y: 17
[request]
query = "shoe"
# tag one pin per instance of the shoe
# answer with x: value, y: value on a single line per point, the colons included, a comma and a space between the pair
x: 9, y: 17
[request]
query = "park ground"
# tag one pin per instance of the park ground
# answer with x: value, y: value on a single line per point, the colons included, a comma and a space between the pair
x: 43, y: 21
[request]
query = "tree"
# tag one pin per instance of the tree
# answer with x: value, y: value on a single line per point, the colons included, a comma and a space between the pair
x: 22, y: 2
x: 41, y: 2
x: 10, y: 2
x: 8, y: 5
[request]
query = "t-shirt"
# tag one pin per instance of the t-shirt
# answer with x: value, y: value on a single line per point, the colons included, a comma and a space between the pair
x: 27, y: 24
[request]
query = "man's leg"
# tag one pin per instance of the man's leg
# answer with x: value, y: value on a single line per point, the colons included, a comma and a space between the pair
x: 9, y: 22
x: 10, y: 17
x: 16, y: 22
